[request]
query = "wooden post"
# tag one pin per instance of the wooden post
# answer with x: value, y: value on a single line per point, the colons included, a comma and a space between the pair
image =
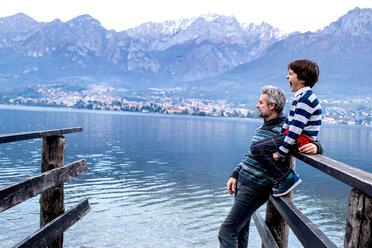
x: 358, y: 231
x: 274, y: 221
x: 52, y: 200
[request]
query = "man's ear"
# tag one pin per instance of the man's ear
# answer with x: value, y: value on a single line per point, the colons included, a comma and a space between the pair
x: 272, y: 106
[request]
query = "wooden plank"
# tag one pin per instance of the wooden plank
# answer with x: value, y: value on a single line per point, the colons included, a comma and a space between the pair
x: 52, y: 200
x: 19, y: 192
x: 264, y: 232
x: 55, y: 228
x: 277, y: 225
x: 5, y: 138
x: 305, y: 230
x: 273, y: 219
x: 358, y: 232
x: 352, y: 176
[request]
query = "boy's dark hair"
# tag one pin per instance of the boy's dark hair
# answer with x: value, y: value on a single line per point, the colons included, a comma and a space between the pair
x: 306, y: 70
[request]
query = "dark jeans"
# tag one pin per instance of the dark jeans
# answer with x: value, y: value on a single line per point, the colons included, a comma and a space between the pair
x: 262, y: 152
x: 234, y: 230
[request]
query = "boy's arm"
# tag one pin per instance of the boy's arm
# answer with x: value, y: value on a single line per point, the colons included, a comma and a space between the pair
x: 301, y: 116
x: 295, y: 129
x: 285, y: 126
x: 312, y: 148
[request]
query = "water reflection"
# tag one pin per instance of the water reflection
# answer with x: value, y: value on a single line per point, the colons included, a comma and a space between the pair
x: 159, y: 181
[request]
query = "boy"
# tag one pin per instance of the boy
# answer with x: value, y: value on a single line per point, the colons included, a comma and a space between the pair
x: 301, y: 127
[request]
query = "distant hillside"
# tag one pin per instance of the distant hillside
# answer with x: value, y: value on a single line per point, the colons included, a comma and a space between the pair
x: 211, y: 56
x: 343, y: 50
x: 145, y: 56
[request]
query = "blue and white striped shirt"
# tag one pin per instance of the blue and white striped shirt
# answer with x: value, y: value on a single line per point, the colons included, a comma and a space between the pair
x: 305, y: 116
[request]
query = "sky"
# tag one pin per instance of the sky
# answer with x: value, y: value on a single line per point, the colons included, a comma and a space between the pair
x: 287, y: 15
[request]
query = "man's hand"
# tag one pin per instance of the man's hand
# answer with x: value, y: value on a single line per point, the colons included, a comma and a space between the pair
x: 309, y: 148
x: 231, y: 185
x: 276, y: 156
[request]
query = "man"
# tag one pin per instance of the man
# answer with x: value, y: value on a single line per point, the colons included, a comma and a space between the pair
x: 251, y: 183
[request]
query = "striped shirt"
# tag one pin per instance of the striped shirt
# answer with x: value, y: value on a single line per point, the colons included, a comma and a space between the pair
x: 305, y: 116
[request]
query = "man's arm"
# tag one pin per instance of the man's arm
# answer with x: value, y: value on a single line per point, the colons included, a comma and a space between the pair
x: 320, y: 148
x: 231, y: 184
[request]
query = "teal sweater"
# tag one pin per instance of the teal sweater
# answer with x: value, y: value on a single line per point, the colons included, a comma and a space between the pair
x: 249, y: 171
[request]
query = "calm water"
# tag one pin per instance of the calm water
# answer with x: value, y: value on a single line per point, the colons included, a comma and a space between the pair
x: 159, y: 180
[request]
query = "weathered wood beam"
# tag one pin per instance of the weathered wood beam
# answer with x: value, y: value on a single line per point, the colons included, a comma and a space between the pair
x: 19, y: 192
x: 274, y: 220
x: 278, y: 227
x: 5, y: 138
x: 55, y: 228
x: 358, y: 232
x: 352, y: 176
x: 264, y: 232
x: 304, y: 229
x: 52, y: 200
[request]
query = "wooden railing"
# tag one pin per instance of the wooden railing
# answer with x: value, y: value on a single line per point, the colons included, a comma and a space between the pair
x: 54, y: 221
x: 281, y: 212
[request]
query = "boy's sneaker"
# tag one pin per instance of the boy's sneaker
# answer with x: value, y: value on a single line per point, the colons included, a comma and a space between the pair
x: 287, y: 185
x: 276, y: 187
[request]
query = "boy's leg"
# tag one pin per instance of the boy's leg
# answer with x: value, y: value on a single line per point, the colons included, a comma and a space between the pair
x: 263, y: 151
x: 287, y: 185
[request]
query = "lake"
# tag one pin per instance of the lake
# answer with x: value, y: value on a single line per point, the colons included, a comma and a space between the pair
x: 159, y: 180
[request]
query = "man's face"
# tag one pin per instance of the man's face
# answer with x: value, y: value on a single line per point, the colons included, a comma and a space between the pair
x: 264, y: 109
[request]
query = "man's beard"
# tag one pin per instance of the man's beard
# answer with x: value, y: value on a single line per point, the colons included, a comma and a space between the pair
x: 262, y: 114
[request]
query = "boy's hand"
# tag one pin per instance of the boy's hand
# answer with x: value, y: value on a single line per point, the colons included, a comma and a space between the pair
x: 276, y: 156
x: 231, y: 185
x: 309, y: 148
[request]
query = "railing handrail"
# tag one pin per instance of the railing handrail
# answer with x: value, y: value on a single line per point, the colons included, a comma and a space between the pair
x: 21, y: 191
x: 51, y: 231
x: 54, y: 221
x: 5, y: 138
x: 354, y: 177
x: 305, y: 230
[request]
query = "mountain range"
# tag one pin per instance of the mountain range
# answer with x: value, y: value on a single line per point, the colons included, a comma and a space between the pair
x: 212, y: 56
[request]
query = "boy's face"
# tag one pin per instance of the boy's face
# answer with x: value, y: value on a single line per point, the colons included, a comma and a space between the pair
x: 294, y: 83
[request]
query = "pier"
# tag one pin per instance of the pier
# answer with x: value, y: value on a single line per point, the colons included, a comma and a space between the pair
x: 54, y: 221
x: 282, y: 214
